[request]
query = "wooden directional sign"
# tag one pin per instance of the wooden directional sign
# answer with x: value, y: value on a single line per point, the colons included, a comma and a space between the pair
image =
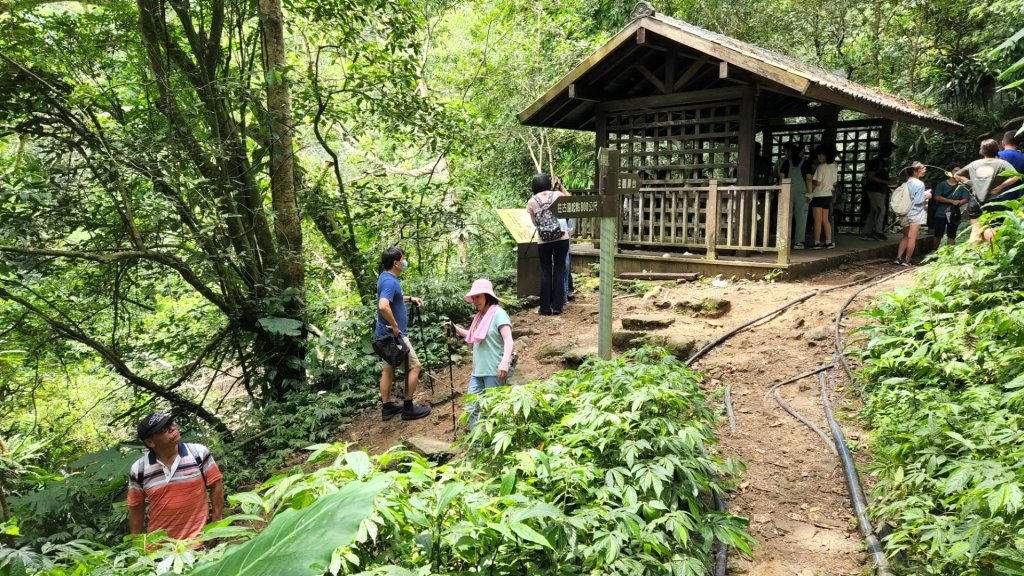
x: 585, y: 206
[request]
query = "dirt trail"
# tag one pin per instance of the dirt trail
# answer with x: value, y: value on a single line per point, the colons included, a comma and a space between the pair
x: 793, y: 490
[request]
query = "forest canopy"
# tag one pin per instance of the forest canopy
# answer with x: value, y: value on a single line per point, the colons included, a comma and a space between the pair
x: 194, y: 195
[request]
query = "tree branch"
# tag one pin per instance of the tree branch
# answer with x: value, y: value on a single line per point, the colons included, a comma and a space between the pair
x: 172, y: 262
x: 430, y: 169
x: 119, y: 365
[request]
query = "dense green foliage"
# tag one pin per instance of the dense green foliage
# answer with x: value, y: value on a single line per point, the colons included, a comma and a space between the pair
x: 602, y: 470
x: 945, y: 395
x: 141, y: 261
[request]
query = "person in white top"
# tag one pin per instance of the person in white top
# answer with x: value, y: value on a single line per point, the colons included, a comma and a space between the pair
x: 825, y: 176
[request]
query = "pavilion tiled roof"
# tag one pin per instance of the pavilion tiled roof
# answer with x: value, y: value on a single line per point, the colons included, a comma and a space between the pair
x: 789, y: 76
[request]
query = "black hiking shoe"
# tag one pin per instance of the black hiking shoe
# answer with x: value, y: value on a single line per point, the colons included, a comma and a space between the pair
x: 389, y: 411
x: 411, y: 412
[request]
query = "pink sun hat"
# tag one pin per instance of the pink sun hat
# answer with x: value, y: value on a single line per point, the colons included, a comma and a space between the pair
x: 480, y: 286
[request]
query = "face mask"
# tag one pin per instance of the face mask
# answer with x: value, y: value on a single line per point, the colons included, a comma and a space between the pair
x: 405, y: 265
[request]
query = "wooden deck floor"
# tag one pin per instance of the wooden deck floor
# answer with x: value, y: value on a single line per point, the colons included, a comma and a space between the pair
x: 849, y: 248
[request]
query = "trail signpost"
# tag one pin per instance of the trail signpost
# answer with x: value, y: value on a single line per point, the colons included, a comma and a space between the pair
x: 605, y: 206
x: 579, y: 206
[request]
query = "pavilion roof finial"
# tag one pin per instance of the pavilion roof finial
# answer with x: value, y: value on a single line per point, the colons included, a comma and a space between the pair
x: 641, y: 10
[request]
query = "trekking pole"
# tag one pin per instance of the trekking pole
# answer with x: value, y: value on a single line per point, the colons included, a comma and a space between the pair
x: 423, y: 346
x: 451, y: 371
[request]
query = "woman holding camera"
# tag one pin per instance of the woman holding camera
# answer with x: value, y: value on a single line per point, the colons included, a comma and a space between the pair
x: 552, y: 252
x: 490, y: 335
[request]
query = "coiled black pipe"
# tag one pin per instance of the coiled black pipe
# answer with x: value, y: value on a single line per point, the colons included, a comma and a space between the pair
x: 853, y: 485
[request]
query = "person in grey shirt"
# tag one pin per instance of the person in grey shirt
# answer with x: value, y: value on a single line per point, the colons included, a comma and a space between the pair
x: 983, y: 176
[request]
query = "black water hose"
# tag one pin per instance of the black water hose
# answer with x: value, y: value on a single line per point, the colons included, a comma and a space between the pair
x: 801, y: 376
x: 840, y: 352
x: 710, y: 345
x: 853, y: 485
x: 721, y: 548
x: 792, y: 412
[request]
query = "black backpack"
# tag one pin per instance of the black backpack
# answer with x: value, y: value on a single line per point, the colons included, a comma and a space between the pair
x: 548, y: 227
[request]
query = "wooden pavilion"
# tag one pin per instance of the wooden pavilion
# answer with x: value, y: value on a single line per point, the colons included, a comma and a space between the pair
x: 684, y: 106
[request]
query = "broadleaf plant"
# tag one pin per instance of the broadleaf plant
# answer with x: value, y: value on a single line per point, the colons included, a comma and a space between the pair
x: 942, y: 364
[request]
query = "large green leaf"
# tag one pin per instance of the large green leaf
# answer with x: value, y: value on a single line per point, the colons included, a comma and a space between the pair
x: 300, y: 542
x: 282, y: 326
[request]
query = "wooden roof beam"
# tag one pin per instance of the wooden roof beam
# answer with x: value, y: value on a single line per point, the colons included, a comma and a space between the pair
x: 725, y: 54
x: 670, y: 68
x: 643, y: 40
x: 577, y: 72
x: 690, y: 72
x: 652, y: 78
x: 555, y: 111
x: 585, y: 93
x: 615, y: 70
x: 643, y: 102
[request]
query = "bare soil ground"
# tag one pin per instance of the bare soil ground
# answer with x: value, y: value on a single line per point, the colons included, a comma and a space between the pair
x: 793, y: 489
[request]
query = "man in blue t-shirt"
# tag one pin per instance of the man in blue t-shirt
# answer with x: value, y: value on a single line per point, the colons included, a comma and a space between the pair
x: 1010, y: 153
x: 392, y: 317
x: 1015, y: 157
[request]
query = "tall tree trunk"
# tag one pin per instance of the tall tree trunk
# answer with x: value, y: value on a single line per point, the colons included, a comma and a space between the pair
x: 876, y: 41
x: 287, y: 222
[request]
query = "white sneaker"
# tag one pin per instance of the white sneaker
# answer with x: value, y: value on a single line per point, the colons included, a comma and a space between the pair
x: 798, y: 246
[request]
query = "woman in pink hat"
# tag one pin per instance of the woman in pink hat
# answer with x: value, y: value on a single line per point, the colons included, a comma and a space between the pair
x: 490, y: 335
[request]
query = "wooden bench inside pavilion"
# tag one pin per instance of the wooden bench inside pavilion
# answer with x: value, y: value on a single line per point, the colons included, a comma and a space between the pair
x: 685, y: 107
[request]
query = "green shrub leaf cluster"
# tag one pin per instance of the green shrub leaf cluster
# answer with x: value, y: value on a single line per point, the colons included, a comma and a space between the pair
x: 605, y: 470
x: 943, y: 363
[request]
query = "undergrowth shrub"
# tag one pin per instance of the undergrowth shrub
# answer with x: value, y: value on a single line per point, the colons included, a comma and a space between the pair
x: 944, y: 372
x: 600, y: 471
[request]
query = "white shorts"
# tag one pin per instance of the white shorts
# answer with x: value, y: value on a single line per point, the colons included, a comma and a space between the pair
x: 921, y: 218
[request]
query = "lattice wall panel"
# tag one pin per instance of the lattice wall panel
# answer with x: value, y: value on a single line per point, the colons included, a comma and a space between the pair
x: 856, y: 144
x: 679, y: 144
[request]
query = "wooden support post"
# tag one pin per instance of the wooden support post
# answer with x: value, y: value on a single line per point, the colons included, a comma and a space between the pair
x: 600, y: 141
x: 609, y: 163
x: 711, y: 223
x: 782, y: 240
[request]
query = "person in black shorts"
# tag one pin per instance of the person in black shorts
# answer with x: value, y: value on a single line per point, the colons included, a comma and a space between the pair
x: 950, y: 197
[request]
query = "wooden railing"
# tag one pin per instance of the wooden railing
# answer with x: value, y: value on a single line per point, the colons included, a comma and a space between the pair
x: 704, y: 216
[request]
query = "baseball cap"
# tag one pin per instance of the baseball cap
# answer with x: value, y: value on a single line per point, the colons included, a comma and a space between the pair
x: 153, y: 423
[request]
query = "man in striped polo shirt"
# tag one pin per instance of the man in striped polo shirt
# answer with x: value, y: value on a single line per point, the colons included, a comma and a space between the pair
x: 173, y: 477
